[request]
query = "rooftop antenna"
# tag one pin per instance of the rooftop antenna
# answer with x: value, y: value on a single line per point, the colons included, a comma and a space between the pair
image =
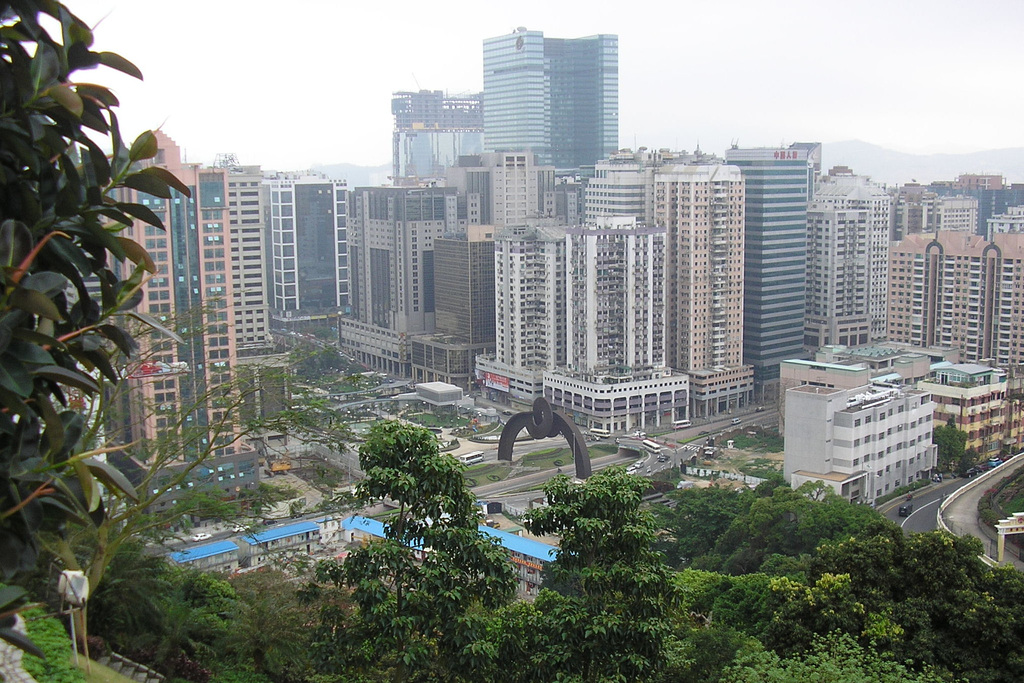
x: 418, y: 87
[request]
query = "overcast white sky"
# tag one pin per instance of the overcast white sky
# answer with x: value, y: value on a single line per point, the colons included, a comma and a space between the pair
x: 291, y: 84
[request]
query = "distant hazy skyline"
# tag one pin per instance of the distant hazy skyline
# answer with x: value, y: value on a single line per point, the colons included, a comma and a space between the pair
x: 289, y: 85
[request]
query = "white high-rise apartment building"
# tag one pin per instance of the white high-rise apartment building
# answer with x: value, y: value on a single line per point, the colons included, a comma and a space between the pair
x: 862, y: 442
x: 847, y: 261
x: 530, y: 312
x: 957, y: 214
x: 701, y: 208
x: 623, y: 184
x: 503, y: 188
x: 615, y: 377
x: 247, y: 201
x: 616, y: 296
x: 1011, y: 221
x: 917, y: 209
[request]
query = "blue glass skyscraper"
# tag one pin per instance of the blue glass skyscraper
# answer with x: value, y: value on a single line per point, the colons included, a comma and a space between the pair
x: 558, y: 98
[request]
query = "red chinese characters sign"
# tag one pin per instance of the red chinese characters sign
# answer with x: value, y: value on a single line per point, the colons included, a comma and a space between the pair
x: 787, y: 154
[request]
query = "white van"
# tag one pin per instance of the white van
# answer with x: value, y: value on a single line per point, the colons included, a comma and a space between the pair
x: 682, y: 424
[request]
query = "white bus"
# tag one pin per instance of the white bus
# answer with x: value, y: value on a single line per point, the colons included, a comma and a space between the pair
x: 652, y: 447
x: 474, y: 458
x: 600, y: 433
x: 681, y: 424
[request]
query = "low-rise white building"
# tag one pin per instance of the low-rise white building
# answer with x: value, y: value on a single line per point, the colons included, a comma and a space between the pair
x: 864, y: 442
x: 620, y: 404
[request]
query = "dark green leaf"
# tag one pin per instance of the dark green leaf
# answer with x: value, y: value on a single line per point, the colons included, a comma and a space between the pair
x: 147, y: 183
x: 67, y: 98
x: 143, y: 213
x: 29, y: 353
x: 37, y: 338
x: 144, y: 147
x: 45, y: 67
x: 90, y: 489
x: 98, y: 93
x: 15, y: 242
x: 121, y: 338
x: 112, y: 477
x: 47, y: 282
x: 11, y: 400
x: 21, y: 641
x: 116, y: 61
x: 55, y: 373
x: 14, y: 376
x: 137, y: 253
x: 156, y: 325
x: 169, y: 178
x: 9, y: 595
x: 35, y: 303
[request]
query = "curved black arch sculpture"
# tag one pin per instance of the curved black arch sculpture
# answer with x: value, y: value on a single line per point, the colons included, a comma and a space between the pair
x: 542, y: 422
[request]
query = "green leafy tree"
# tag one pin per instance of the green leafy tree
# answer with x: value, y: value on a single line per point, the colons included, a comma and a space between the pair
x: 126, y: 609
x: 926, y: 598
x: 420, y: 590
x: 951, y: 443
x: 267, y: 625
x: 615, y: 622
x: 700, y: 653
x: 836, y: 658
x: 60, y: 216
x: 788, y: 523
x: 697, y: 519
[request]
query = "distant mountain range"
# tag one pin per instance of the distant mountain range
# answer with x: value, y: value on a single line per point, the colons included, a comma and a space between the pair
x: 891, y: 167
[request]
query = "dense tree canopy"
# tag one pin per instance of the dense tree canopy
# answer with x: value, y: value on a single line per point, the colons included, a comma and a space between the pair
x: 613, y: 622
x: 417, y: 589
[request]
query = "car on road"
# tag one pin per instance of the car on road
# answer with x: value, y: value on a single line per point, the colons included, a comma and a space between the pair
x: 703, y: 432
x: 202, y: 536
x: 905, y: 509
x: 736, y: 420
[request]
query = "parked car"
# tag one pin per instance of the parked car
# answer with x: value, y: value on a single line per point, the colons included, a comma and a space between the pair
x: 201, y: 536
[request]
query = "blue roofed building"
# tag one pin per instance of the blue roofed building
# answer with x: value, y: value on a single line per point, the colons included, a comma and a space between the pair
x: 220, y: 556
x: 279, y: 543
x: 528, y: 557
